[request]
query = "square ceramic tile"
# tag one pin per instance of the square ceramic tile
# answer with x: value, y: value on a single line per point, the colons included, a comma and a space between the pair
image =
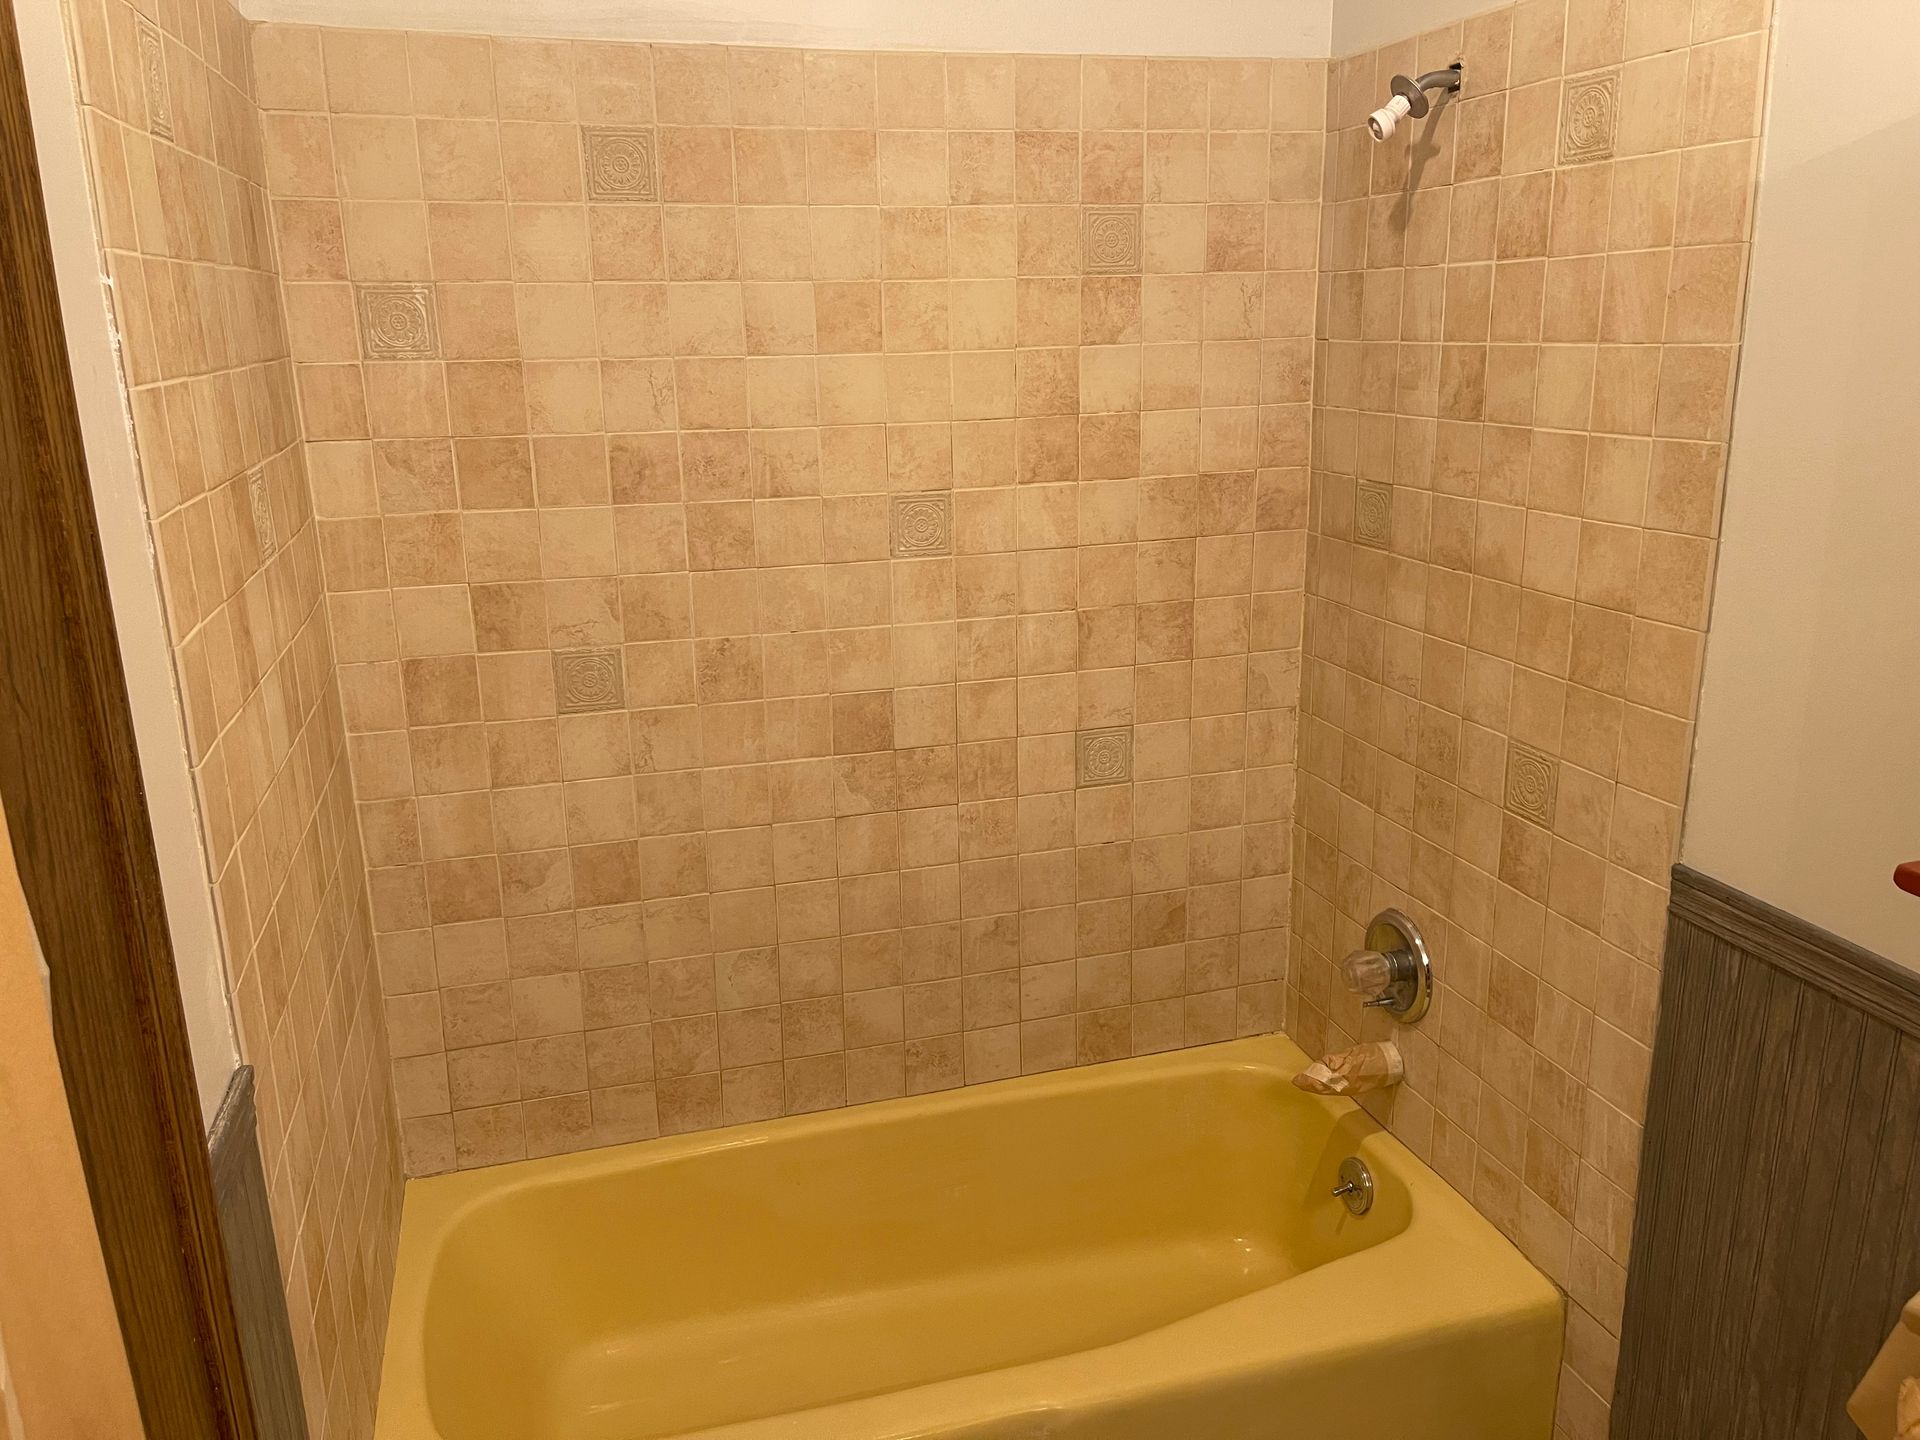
x: 922, y: 525
x: 153, y: 77
x: 1533, y: 783
x: 1104, y: 757
x: 1373, y: 515
x: 260, y: 504
x: 620, y: 165
x: 1110, y: 239
x: 1589, y: 115
x: 397, y: 322
x: 586, y: 680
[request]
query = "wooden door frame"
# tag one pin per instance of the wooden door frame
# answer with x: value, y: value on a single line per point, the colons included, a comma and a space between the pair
x: 83, y: 843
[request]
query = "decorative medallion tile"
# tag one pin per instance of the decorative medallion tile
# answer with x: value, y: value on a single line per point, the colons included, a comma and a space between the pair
x: 261, y: 505
x: 620, y: 165
x: 586, y: 680
x: 153, y: 77
x: 922, y: 525
x: 1110, y: 240
x: 1588, y: 116
x: 1103, y: 757
x: 396, y: 322
x: 1533, y: 781
x: 1373, y: 515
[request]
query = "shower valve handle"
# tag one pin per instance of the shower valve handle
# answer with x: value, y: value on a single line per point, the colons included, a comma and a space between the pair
x: 1393, y: 973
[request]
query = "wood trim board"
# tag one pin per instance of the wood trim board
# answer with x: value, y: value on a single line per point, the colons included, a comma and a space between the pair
x: 1853, y: 975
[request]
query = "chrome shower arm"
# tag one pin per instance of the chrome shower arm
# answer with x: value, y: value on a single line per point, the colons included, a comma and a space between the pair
x: 1410, y: 98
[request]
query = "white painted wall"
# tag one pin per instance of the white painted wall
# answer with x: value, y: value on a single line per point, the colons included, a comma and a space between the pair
x: 1363, y: 24
x: 1806, y: 788
x: 133, y: 578
x: 1289, y: 29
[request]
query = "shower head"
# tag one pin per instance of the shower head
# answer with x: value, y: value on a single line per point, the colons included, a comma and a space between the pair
x: 1410, y: 98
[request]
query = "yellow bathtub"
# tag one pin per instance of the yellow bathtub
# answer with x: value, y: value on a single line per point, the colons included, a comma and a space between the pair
x: 1146, y: 1250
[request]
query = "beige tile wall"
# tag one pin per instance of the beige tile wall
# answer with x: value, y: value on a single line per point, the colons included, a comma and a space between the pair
x: 173, y: 140
x: 1529, y: 316
x: 814, y: 544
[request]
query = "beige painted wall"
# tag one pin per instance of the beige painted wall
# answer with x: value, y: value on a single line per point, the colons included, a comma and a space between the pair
x: 1808, y: 764
x: 1289, y: 29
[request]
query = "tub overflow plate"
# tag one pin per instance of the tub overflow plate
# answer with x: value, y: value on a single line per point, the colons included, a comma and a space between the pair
x: 1355, y: 1189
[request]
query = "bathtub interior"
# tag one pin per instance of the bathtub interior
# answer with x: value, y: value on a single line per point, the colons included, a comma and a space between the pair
x: 769, y: 1272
